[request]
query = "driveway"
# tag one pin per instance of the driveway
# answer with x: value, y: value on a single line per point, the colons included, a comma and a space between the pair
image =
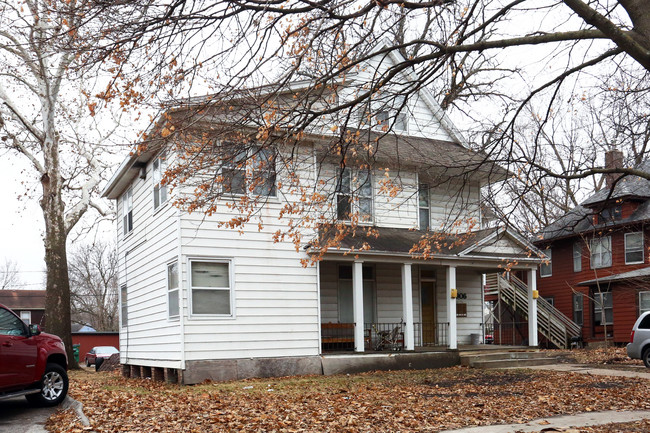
x: 17, y: 416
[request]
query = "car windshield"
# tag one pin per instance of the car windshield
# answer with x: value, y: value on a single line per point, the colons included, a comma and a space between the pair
x: 106, y: 349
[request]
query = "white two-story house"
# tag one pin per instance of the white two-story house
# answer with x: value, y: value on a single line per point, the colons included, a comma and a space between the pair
x: 202, y: 301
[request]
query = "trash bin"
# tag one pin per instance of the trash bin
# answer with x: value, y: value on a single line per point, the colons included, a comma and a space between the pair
x: 75, y: 352
x: 476, y: 339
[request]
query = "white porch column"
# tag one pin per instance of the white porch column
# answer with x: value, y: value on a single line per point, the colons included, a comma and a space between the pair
x: 357, y: 305
x: 407, y: 307
x: 451, y: 307
x: 532, y: 307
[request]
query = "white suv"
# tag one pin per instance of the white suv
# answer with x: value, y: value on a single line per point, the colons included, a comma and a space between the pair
x: 639, y: 347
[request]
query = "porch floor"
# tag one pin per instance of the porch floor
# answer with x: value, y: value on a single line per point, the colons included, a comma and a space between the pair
x: 434, y: 349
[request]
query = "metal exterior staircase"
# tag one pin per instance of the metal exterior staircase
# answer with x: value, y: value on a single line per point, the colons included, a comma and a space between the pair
x: 551, y: 322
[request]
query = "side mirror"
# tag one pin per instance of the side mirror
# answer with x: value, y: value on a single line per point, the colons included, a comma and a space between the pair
x: 34, y: 329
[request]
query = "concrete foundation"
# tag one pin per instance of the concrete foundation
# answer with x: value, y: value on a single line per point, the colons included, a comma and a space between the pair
x: 220, y: 370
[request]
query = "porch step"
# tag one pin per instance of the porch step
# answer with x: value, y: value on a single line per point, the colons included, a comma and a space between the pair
x: 506, y: 359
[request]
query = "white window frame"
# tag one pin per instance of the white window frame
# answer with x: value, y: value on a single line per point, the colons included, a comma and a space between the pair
x: 159, y: 191
x: 354, y: 194
x: 173, y: 291
x: 546, y: 269
x: 599, y: 251
x: 244, y: 162
x: 644, y: 295
x: 127, y: 211
x: 231, y: 280
x: 577, y: 256
x: 124, y: 306
x: 581, y: 310
x: 26, y: 317
x: 424, y: 191
x: 600, y: 304
x: 636, y: 250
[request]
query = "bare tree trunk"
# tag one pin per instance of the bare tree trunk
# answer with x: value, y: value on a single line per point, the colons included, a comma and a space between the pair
x: 57, y: 306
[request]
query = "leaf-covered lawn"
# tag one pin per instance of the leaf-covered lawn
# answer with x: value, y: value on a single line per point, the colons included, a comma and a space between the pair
x: 428, y: 400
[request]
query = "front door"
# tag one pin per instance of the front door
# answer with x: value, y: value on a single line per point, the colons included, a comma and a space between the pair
x: 428, y: 291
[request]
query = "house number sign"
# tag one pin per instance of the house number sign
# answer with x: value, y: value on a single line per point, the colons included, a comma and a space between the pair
x: 462, y: 295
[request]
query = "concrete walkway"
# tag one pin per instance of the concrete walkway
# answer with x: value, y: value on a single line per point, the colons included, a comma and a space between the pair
x: 643, y: 373
x: 561, y: 422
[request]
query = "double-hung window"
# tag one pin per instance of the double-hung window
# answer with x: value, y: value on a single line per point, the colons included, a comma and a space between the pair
x: 127, y: 211
x: 578, y: 308
x: 159, y: 190
x: 249, y: 170
x: 354, y: 194
x: 603, y: 308
x: 211, y: 288
x: 577, y: 256
x: 172, y: 290
x: 633, y: 248
x: 601, y: 252
x: 424, y: 206
x: 644, y: 302
x: 124, y: 306
x: 546, y: 268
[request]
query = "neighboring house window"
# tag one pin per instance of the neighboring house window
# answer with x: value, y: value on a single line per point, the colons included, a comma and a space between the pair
x: 424, y: 206
x: 124, y: 306
x: 644, y: 302
x: 550, y: 300
x: 546, y: 268
x: 127, y: 211
x: 603, y: 308
x: 578, y: 308
x: 354, y: 194
x: 210, y: 285
x: 159, y: 190
x: 633, y: 248
x: 262, y: 174
x: 172, y: 289
x: 26, y: 316
x: 610, y: 214
x: 601, y: 252
x: 577, y: 257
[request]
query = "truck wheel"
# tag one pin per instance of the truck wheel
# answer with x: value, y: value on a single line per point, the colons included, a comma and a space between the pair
x: 54, y: 387
x: 646, y: 357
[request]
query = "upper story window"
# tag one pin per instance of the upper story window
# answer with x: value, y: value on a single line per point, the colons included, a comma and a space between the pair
x: 601, y: 252
x: 172, y: 290
x: 354, y: 194
x: 127, y: 211
x: 610, y: 214
x: 211, y: 288
x: 159, y: 190
x: 249, y: 170
x: 546, y: 268
x: 577, y: 256
x: 633, y: 248
x: 424, y: 206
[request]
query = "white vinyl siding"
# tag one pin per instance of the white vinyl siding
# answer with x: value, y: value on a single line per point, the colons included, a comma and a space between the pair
x: 159, y: 190
x: 633, y: 248
x: 601, y: 252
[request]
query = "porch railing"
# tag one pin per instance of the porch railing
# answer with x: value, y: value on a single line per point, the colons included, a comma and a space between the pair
x: 382, y: 335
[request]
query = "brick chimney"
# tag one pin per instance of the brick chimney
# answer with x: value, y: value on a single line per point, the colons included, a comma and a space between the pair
x: 613, y: 159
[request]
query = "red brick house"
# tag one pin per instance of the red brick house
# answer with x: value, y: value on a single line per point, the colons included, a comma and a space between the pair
x: 28, y: 304
x: 599, y: 271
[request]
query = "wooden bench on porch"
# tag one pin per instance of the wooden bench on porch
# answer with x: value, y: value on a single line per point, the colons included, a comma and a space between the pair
x: 340, y: 336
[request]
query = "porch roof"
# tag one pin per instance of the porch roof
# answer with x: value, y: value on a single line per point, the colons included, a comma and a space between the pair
x: 489, y: 244
x: 638, y: 274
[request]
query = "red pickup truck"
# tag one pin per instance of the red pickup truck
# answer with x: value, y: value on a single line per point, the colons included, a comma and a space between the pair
x: 32, y: 363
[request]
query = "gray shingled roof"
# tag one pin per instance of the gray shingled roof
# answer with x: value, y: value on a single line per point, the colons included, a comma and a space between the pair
x: 23, y: 299
x: 580, y: 219
x: 628, y: 186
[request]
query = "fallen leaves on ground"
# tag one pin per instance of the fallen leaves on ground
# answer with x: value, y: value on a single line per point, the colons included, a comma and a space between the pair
x: 628, y: 427
x: 404, y: 401
x: 602, y: 356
